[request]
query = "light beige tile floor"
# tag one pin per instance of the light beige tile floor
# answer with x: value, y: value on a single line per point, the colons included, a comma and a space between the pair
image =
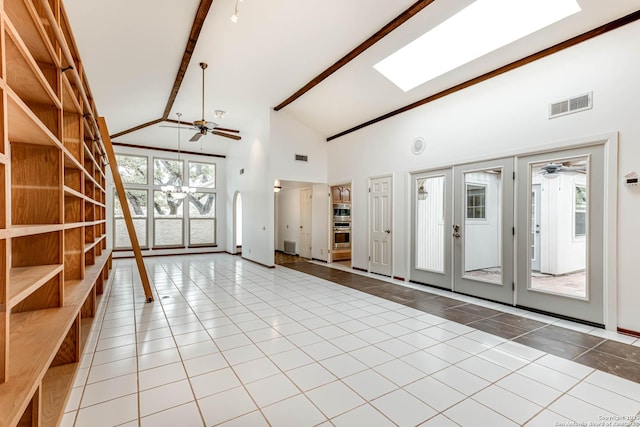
x: 228, y: 342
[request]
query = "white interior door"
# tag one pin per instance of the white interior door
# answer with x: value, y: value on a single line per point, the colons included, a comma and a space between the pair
x: 570, y: 277
x: 305, y: 223
x: 380, y: 192
x: 483, y: 230
x: 431, y: 210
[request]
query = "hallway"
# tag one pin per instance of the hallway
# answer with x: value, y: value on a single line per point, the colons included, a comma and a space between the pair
x: 228, y: 342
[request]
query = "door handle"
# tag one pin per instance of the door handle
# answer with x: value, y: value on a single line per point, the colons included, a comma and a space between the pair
x: 387, y: 231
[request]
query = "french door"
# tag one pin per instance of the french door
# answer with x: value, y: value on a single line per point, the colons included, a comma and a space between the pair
x: 563, y: 191
x: 474, y: 225
x: 431, y: 207
x: 482, y: 230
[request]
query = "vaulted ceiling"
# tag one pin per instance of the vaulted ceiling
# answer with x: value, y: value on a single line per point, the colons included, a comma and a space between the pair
x: 132, y: 52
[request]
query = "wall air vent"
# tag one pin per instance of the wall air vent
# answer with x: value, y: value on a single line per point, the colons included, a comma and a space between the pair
x: 571, y: 105
x: 302, y: 158
x: 290, y: 247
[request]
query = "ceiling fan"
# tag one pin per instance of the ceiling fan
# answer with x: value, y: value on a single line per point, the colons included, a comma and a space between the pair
x: 203, y: 127
x: 551, y: 170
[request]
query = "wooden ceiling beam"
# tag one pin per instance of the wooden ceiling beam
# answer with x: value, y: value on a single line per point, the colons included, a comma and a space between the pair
x: 632, y: 17
x: 133, y: 129
x: 384, y: 31
x: 198, y: 23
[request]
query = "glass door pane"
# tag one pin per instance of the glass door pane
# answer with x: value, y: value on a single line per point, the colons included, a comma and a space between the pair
x: 430, y: 224
x: 483, y: 225
x: 561, y: 228
x: 431, y: 206
x: 483, y: 229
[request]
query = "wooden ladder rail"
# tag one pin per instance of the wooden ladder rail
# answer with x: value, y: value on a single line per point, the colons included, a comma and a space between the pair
x: 117, y: 179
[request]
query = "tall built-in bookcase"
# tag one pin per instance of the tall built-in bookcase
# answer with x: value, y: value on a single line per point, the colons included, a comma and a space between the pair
x: 53, y: 253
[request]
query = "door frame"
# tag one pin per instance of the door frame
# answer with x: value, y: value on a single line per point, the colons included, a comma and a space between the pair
x: 610, y: 200
x: 234, y: 233
x: 369, y: 221
x: 310, y: 190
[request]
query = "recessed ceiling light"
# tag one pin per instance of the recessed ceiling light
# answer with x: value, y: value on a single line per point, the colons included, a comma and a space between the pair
x: 480, y: 28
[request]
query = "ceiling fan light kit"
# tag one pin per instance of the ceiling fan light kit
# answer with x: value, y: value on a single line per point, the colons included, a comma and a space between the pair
x: 203, y: 127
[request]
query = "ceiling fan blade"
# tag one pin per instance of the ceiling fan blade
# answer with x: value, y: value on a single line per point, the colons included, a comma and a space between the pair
x: 227, y: 130
x: 196, y: 137
x: 226, y: 135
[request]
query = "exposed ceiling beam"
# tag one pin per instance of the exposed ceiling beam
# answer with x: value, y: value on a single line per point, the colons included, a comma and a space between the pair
x: 395, y: 23
x: 133, y: 129
x: 198, y: 22
x: 498, y: 71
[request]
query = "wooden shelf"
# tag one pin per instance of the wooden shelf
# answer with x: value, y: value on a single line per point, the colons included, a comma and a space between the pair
x: 71, y: 162
x: 90, y: 246
x: 23, y: 73
x: 76, y: 291
x: 56, y: 386
x: 69, y: 97
x: 53, y: 179
x: 31, y: 230
x: 72, y: 225
x: 71, y: 192
x: 24, y: 280
x: 32, y: 31
x: 25, y: 126
x: 35, y: 338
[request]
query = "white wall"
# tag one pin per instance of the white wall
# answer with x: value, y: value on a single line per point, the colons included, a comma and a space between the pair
x: 252, y: 154
x: 321, y: 225
x: 289, y: 137
x: 503, y: 116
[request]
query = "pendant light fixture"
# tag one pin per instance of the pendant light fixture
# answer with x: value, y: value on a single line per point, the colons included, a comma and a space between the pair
x: 181, y: 191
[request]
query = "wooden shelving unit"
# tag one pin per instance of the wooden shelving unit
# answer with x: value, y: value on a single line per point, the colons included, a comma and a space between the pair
x: 53, y: 253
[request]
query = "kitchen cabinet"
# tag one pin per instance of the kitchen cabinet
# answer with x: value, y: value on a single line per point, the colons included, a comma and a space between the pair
x: 341, y: 194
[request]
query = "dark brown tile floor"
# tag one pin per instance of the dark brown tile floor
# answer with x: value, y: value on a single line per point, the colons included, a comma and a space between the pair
x: 609, y: 356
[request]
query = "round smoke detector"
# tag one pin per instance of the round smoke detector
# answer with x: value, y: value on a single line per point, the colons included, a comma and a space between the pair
x: 418, y: 145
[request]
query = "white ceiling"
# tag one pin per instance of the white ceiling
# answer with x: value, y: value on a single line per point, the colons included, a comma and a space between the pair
x: 132, y: 49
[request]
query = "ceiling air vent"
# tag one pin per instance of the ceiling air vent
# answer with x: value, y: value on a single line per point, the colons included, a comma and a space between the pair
x: 571, y: 105
x: 302, y: 158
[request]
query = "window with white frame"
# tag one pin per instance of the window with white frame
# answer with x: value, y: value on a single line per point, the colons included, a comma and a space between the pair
x: 476, y: 201
x: 134, y: 173
x: 172, y: 213
x: 202, y: 204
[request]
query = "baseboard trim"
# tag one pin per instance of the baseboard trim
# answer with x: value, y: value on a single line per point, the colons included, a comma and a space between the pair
x: 152, y: 255
x: 629, y: 332
x: 259, y: 263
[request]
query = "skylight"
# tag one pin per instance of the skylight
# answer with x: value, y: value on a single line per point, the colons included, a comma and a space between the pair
x: 480, y: 28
